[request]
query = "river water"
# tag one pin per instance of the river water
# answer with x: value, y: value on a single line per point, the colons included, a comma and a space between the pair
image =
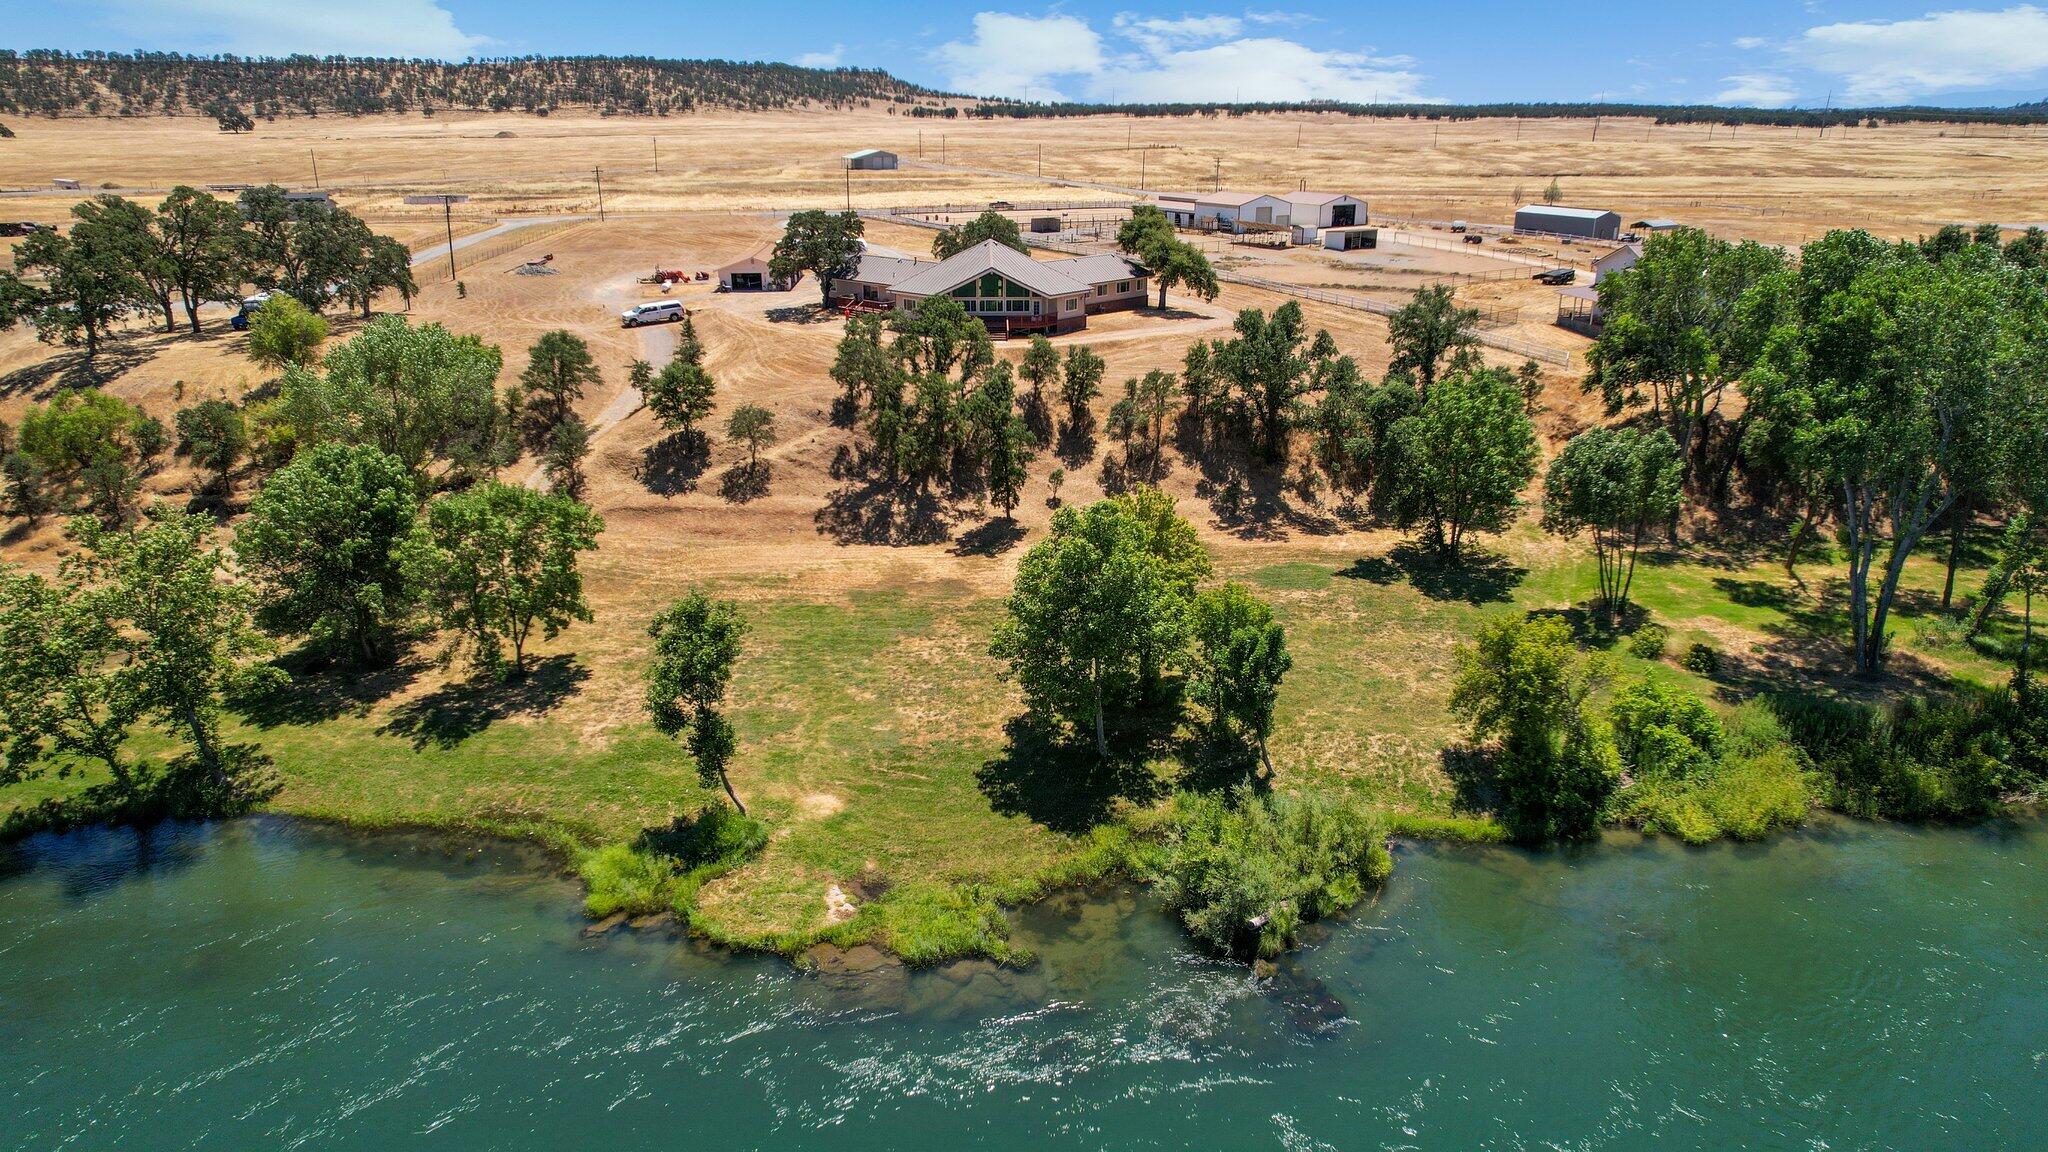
x: 264, y: 984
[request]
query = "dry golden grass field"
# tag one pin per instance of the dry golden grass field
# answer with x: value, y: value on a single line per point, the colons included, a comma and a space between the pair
x: 871, y: 718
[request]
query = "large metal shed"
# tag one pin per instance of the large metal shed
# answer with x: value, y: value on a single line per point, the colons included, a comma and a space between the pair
x: 1591, y: 223
x: 871, y: 160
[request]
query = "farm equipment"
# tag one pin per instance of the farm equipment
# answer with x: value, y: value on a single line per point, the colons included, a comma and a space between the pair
x: 1555, y: 276
x: 537, y: 267
x: 668, y: 276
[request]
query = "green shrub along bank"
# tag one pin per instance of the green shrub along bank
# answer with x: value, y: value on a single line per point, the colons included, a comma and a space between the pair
x: 663, y: 871
x: 1953, y: 758
x: 1245, y: 871
x: 1700, y: 778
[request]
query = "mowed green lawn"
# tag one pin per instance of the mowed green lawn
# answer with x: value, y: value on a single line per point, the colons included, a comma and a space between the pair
x: 873, y: 724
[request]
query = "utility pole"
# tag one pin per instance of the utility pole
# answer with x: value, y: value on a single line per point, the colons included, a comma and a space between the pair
x: 1041, y: 160
x: 448, y: 220
x: 1142, y: 153
x: 316, y: 166
x: 1596, y: 128
x: 598, y: 175
x: 920, y: 143
x: 849, y: 187
x: 656, y: 141
x: 1217, y: 185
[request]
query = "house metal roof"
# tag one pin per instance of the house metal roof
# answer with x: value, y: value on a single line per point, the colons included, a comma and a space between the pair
x: 867, y: 152
x: 1227, y: 199
x: 1045, y: 277
x: 1658, y: 224
x: 887, y: 270
x: 1318, y: 198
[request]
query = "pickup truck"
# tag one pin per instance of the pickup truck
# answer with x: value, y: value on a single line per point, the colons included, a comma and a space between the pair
x: 1556, y: 276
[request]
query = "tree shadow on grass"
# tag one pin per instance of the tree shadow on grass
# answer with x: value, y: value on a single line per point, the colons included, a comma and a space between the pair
x: 1075, y: 442
x: 41, y: 380
x: 880, y: 511
x: 449, y: 715
x: 1060, y: 784
x: 319, y: 690
x: 1478, y: 578
x: 1472, y: 771
x: 1591, y: 627
x: 990, y: 539
x: 671, y: 466
x: 743, y: 483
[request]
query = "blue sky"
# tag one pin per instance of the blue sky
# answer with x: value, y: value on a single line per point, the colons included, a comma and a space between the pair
x: 1775, y: 53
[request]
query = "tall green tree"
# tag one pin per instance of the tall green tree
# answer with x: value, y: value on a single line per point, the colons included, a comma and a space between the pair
x: 496, y: 563
x: 568, y: 445
x: 203, y: 240
x: 186, y: 643
x: 823, y: 244
x: 1178, y: 264
x: 283, y: 334
x: 1465, y: 457
x: 323, y: 546
x: 1082, y: 380
x: 558, y: 368
x: 1431, y: 334
x: 97, y: 446
x: 1523, y: 684
x: 1269, y: 366
x: 941, y: 338
x: 1616, y: 484
x: 680, y: 395
x: 1684, y: 324
x: 990, y: 225
x: 1897, y: 368
x: 61, y: 690
x: 1173, y: 263
x: 1099, y: 612
x: 696, y: 643
x: 89, y: 283
x: 214, y: 435
x: 1040, y: 370
x: 1240, y: 657
x: 754, y: 427
x: 419, y: 393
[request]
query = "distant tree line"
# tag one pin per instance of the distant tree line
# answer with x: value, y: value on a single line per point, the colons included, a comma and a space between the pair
x: 232, y: 88
x: 1661, y: 113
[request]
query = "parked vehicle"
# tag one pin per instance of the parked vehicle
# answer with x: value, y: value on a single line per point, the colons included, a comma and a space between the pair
x: 23, y: 228
x: 1000, y: 206
x: 1556, y: 276
x: 250, y: 304
x: 653, y: 312
x: 1457, y: 225
x: 1474, y: 238
x: 1630, y: 238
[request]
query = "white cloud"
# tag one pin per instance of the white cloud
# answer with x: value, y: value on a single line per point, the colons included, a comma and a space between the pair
x: 419, y: 28
x: 1020, y: 56
x: 1194, y: 58
x: 823, y: 59
x: 1885, y: 60
x: 1288, y: 18
x: 1750, y: 43
x: 1759, y: 89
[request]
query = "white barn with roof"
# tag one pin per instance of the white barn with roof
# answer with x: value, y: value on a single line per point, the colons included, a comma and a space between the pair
x: 871, y: 160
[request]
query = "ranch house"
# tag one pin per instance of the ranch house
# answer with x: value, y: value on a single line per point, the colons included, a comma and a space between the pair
x: 1007, y: 289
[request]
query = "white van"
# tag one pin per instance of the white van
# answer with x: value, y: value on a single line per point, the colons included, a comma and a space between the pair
x: 658, y: 312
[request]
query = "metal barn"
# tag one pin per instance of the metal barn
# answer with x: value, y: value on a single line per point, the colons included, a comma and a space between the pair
x: 871, y: 160
x: 1591, y: 223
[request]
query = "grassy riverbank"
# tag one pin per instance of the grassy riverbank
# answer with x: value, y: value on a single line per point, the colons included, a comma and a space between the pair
x: 874, y: 742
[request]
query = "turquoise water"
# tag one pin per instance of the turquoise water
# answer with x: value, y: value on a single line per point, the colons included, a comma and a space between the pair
x: 269, y: 985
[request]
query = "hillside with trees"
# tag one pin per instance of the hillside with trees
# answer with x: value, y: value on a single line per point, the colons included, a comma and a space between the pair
x: 52, y: 83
